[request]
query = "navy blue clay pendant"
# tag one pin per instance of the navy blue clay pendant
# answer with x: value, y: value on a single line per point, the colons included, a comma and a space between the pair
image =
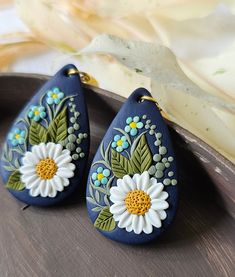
x: 132, y: 191
x: 47, y: 146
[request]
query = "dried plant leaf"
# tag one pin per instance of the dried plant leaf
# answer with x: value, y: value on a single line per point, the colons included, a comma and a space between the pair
x: 185, y: 102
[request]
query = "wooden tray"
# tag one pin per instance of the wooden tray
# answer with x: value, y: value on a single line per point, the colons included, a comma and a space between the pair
x: 61, y: 241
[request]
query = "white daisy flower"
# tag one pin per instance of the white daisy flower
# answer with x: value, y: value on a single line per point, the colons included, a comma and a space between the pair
x: 46, y: 169
x: 139, y: 203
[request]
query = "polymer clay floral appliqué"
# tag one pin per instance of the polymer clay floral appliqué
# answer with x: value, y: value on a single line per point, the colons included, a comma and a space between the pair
x: 46, y: 169
x: 139, y: 203
x: 38, y: 154
x: 133, y: 198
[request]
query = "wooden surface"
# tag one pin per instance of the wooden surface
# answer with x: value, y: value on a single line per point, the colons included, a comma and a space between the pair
x: 61, y: 241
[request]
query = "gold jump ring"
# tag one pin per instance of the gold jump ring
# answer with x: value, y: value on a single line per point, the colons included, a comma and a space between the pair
x: 85, y: 78
x: 149, y: 98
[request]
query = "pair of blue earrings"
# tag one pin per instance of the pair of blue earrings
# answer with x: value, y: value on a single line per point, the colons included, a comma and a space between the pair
x: 132, y: 189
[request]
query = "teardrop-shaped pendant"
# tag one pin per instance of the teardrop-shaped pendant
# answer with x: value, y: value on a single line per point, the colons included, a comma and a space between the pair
x: 132, y: 189
x: 47, y: 146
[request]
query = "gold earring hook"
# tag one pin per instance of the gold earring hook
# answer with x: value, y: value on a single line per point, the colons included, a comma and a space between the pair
x: 85, y: 78
x: 149, y: 98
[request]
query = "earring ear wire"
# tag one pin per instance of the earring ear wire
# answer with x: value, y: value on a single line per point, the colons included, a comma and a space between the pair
x: 149, y: 98
x: 85, y: 78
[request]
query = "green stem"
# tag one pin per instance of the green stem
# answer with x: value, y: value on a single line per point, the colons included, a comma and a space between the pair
x: 61, y: 103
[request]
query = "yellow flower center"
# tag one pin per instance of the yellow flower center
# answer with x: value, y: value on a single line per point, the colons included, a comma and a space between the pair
x: 54, y: 96
x: 46, y: 169
x: 137, y: 202
x: 37, y: 113
x: 17, y: 136
x: 100, y: 176
x: 133, y: 124
x: 119, y: 142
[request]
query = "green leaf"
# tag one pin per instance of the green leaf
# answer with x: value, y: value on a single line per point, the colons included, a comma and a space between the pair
x: 106, y: 201
x: 120, y: 165
x: 102, y: 190
x: 106, y: 155
x: 37, y: 133
x: 105, y: 221
x: 97, y: 196
x: 57, y: 130
x: 14, y: 181
x: 96, y: 209
x: 91, y: 200
x: 141, y: 158
x: 9, y: 168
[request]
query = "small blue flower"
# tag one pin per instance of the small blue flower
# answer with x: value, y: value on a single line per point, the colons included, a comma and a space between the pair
x: 54, y: 96
x: 100, y: 176
x: 37, y: 113
x: 17, y: 136
x: 120, y: 143
x: 134, y: 124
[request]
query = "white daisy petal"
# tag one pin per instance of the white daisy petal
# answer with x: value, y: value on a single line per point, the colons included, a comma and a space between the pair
x: 57, y: 151
x: 122, y: 186
x: 37, y: 152
x: 148, y: 227
x: 144, y: 181
x: 125, y: 220
x: 52, y: 192
x: 43, y: 150
x: 153, y: 217
x: 117, y: 193
x: 28, y: 179
x: 35, y: 191
x: 71, y: 166
x: 30, y: 159
x: 129, y: 228
x: 44, y: 188
x: 138, y: 224
x: 127, y: 180
x: 154, y: 190
x: 58, y: 183
x: 163, y: 195
x: 117, y: 208
x: 65, y: 152
x: 27, y: 170
x: 117, y: 217
x: 32, y: 184
x: 65, y: 172
x: 65, y: 182
x: 63, y: 159
x: 162, y: 214
x: 136, y: 179
x: 158, y: 204
x: 51, y: 149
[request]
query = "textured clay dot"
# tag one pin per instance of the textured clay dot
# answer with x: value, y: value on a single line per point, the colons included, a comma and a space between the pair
x: 70, y: 130
x: 75, y: 157
x: 152, y: 170
x: 162, y: 150
x: 159, y: 174
x: 167, y: 182
x: 171, y: 173
x: 158, y: 135
x: 157, y: 157
x: 79, y: 149
x: 70, y: 146
x: 72, y: 138
x: 82, y: 155
x: 72, y: 120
